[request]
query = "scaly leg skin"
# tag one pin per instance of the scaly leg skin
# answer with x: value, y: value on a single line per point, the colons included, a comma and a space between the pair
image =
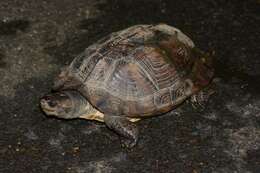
x: 199, y: 101
x: 127, y: 130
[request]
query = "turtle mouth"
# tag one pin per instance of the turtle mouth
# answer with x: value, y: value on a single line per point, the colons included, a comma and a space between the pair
x: 47, y: 106
x: 47, y: 109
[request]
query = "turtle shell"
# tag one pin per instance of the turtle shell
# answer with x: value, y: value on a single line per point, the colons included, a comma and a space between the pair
x: 141, y: 71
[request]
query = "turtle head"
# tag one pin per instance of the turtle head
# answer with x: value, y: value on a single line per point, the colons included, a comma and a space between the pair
x: 65, y: 80
x: 57, y: 104
x: 66, y: 104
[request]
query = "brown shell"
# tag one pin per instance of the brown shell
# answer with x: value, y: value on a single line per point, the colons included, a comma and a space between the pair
x: 143, y: 70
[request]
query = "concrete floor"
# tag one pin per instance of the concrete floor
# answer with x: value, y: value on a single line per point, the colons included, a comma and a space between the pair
x: 37, y: 38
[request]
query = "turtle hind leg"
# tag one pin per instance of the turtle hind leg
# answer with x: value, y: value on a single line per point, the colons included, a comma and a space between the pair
x: 127, y: 130
x: 200, y: 100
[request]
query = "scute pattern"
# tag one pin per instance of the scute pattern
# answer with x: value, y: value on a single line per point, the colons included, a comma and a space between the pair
x: 162, y: 74
x: 99, y: 73
x: 163, y: 98
x: 87, y: 67
x: 127, y: 80
x: 146, y: 67
x: 181, y: 90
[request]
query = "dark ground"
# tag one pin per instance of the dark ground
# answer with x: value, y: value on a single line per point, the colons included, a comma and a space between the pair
x: 37, y: 38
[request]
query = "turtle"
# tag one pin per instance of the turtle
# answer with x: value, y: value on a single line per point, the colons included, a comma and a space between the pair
x: 129, y: 75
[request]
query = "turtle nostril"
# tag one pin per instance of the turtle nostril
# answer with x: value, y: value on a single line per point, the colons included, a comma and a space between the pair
x: 43, y: 101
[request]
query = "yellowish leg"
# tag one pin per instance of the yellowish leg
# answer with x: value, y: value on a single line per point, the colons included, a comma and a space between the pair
x: 98, y: 116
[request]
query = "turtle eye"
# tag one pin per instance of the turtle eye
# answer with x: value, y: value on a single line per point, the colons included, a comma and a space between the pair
x: 52, y: 103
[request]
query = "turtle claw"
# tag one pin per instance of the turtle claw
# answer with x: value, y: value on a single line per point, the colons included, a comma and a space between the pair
x: 128, y: 143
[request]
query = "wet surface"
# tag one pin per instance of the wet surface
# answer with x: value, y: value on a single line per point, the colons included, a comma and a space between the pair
x: 37, y: 38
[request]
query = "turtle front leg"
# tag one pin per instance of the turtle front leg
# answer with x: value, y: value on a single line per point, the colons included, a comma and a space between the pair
x: 127, y: 130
